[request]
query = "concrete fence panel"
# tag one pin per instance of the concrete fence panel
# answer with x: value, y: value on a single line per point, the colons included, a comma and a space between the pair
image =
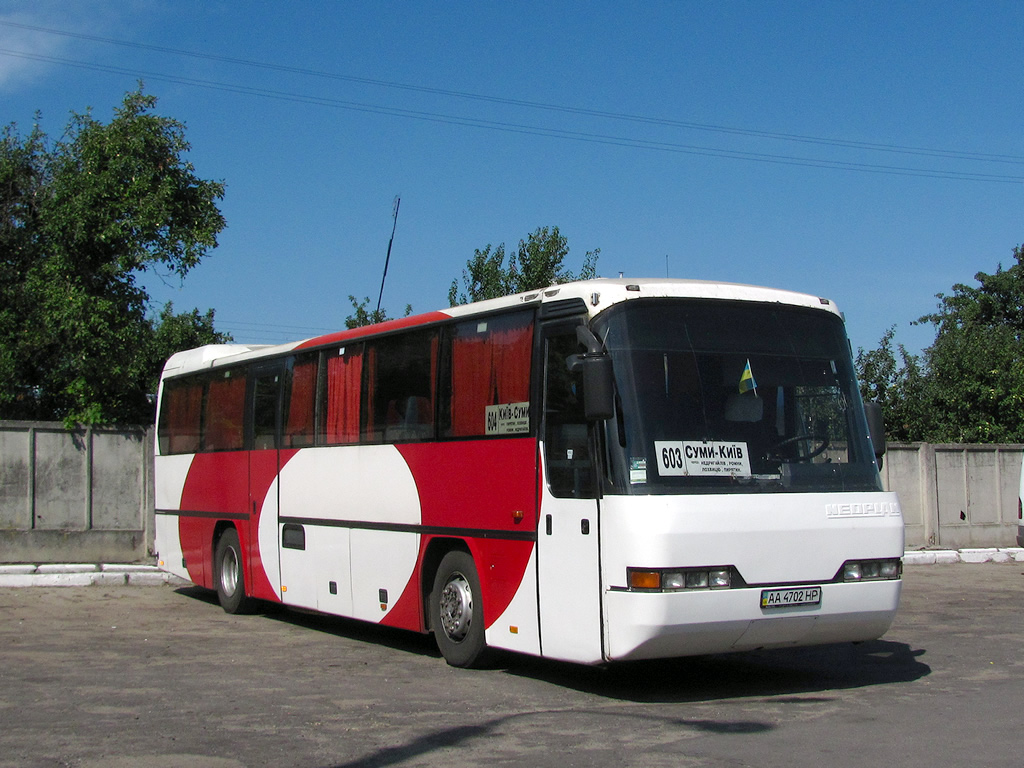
x: 81, y: 495
x: 61, y: 464
x: 15, y: 478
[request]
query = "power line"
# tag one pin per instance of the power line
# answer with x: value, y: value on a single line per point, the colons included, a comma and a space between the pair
x: 259, y: 333
x: 275, y: 328
x: 507, y: 127
x: 645, y: 119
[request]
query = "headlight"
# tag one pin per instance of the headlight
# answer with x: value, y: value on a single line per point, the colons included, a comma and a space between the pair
x: 673, y: 581
x: 890, y: 569
x: 871, y: 570
x: 720, y: 578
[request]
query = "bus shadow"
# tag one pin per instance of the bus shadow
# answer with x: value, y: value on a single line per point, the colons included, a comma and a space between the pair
x: 774, y: 673
x: 339, y: 626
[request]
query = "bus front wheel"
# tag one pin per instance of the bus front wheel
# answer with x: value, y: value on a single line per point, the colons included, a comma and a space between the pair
x: 457, y: 611
x: 229, y: 576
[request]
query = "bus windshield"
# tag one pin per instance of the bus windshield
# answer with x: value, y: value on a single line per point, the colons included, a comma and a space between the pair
x: 733, y: 397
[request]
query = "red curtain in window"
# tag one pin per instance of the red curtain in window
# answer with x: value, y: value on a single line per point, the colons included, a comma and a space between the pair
x: 344, y: 374
x: 184, y: 407
x: 472, y: 389
x: 300, y: 427
x: 490, y: 367
x: 512, y: 352
x: 225, y: 408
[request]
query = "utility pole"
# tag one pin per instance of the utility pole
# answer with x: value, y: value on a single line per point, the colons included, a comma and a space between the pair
x: 394, y: 225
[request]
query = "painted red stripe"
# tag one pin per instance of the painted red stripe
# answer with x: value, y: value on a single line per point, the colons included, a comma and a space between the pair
x: 374, y: 330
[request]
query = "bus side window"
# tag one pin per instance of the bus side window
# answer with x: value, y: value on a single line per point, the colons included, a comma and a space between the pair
x: 264, y: 410
x: 180, y: 416
x: 570, y: 466
x: 300, y: 421
x: 401, y: 382
x: 487, y: 365
x: 342, y: 394
x: 225, y: 411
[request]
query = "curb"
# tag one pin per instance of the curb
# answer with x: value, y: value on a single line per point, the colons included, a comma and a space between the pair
x: 950, y: 556
x: 86, y: 575
x: 109, y: 575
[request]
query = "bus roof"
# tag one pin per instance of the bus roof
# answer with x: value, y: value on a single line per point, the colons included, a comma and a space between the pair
x: 599, y: 294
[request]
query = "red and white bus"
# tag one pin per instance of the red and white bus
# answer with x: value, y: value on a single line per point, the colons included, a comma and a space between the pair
x: 598, y: 471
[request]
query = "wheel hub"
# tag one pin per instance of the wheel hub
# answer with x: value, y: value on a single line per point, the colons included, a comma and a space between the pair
x: 229, y: 572
x: 456, y: 607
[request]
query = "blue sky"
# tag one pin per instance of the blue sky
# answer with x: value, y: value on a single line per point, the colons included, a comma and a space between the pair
x: 870, y: 152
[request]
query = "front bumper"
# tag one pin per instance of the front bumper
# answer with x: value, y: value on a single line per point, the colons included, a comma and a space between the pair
x: 641, y: 625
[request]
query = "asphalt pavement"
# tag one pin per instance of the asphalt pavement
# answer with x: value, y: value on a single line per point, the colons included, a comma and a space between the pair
x: 120, y: 675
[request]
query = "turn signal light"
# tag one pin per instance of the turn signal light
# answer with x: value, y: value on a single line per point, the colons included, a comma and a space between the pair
x: 644, y: 580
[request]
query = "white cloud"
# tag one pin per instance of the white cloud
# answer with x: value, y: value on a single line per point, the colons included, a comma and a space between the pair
x: 24, y: 48
x: 18, y: 70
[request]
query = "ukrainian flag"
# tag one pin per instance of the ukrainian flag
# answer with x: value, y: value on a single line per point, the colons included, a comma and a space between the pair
x: 747, y: 382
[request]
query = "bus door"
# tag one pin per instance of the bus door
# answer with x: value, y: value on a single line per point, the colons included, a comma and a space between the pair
x: 265, y: 388
x: 569, y: 574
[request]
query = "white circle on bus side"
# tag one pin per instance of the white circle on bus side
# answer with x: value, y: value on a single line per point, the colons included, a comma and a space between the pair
x: 364, y: 485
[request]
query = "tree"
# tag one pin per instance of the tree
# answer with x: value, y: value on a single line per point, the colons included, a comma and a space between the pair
x: 976, y: 364
x: 362, y: 316
x: 896, y: 386
x: 537, y: 264
x: 968, y: 386
x: 80, y: 219
x: 172, y: 333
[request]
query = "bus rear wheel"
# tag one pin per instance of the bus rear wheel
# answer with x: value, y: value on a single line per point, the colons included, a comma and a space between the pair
x: 229, y: 576
x: 457, y: 611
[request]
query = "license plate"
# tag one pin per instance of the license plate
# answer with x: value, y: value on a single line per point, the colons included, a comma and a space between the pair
x: 781, y: 598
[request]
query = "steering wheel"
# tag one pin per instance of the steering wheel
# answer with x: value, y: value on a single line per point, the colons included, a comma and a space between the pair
x: 817, y: 443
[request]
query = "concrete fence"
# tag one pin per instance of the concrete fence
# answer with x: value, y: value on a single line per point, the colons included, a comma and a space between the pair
x: 956, y: 496
x: 75, y: 495
x: 87, y: 495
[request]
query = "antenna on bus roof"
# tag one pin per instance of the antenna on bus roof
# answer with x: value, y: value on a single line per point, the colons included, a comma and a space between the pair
x: 394, y: 215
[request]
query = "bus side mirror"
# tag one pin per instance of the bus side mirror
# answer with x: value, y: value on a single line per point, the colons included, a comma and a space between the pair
x: 598, y: 388
x: 598, y: 377
x: 876, y: 429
